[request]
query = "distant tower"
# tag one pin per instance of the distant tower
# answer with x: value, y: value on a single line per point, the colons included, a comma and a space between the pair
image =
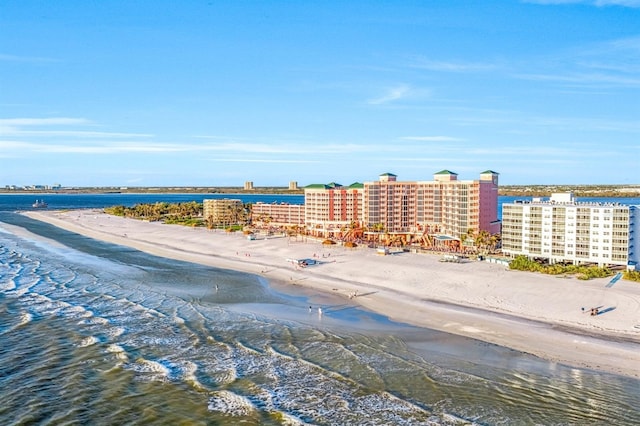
x: 293, y: 185
x: 248, y: 186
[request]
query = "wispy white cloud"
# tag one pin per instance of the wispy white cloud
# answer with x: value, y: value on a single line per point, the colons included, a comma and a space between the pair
x: 523, y: 123
x: 608, y: 65
x: 263, y: 160
x: 16, y: 58
x: 70, y: 133
x: 103, y: 148
x: 432, y: 138
x: 55, y: 121
x: 392, y: 94
x: 119, y: 146
x: 599, y: 3
x: 628, y: 43
x: 292, y: 148
x: 444, y: 66
x: 586, y: 79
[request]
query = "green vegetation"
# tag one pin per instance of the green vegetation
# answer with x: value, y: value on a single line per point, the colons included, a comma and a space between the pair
x: 631, y: 276
x: 482, y: 242
x: 188, y: 214
x: 583, y: 272
x: 580, y: 191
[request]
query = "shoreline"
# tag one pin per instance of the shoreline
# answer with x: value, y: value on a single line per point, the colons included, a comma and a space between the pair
x: 533, y: 313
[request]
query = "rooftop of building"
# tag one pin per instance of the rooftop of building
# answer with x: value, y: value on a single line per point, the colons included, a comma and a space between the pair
x: 334, y: 185
x: 565, y: 199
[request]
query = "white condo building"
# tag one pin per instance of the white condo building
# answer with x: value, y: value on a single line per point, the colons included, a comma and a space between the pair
x: 564, y: 230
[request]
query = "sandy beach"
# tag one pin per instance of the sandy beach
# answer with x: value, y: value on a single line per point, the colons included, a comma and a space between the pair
x: 534, y: 313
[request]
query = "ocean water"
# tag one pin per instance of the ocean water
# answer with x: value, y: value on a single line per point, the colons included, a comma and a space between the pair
x: 94, y: 333
x: 22, y: 201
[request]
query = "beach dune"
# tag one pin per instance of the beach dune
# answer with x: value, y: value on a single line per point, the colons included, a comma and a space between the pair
x: 543, y: 315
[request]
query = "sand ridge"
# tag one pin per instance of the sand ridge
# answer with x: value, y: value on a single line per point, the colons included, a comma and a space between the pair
x: 529, y: 312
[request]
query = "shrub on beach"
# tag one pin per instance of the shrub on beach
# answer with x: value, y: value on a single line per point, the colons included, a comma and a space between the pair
x: 115, y: 210
x: 582, y: 272
x: 631, y: 275
x: 523, y: 263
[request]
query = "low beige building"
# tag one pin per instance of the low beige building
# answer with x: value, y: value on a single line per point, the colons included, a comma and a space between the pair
x: 224, y: 211
x: 277, y: 214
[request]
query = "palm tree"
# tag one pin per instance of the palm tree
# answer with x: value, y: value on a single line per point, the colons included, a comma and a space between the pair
x: 495, y: 241
x: 483, y: 240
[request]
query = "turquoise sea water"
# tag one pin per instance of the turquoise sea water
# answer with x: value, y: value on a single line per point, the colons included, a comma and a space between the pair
x: 93, y: 333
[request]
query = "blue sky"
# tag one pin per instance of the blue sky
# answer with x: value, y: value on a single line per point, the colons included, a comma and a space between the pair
x: 215, y: 93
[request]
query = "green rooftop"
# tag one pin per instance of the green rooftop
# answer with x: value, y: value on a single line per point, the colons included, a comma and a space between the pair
x: 332, y: 185
x: 317, y: 186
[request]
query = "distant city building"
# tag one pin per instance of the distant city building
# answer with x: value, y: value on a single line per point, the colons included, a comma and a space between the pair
x: 222, y: 211
x: 277, y: 214
x: 564, y: 230
x: 293, y: 185
x: 248, y: 186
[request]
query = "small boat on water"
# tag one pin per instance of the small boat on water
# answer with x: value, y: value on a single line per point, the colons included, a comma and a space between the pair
x: 40, y: 204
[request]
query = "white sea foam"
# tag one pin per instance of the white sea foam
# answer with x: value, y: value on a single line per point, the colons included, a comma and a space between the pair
x: 113, y: 332
x: 455, y: 420
x: 91, y: 320
x: 230, y: 403
x: 288, y: 420
x: 8, y: 285
x: 76, y: 312
x: 189, y: 370
x: 24, y: 318
x: 88, y: 341
x: 118, y: 351
x: 152, y: 370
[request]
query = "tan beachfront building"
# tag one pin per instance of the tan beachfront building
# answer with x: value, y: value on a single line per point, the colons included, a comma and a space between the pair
x: 565, y: 230
x: 221, y: 211
x: 445, y: 207
x: 331, y: 209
